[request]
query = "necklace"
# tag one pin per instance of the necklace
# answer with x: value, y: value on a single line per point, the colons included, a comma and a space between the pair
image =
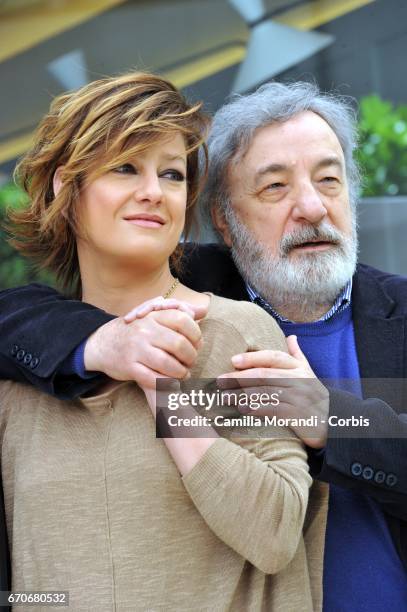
x: 171, y: 289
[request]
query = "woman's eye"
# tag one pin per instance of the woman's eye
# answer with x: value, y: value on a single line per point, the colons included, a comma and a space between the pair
x: 174, y: 175
x: 329, y: 179
x: 125, y: 169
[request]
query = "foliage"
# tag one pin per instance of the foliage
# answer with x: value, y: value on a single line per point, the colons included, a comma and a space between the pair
x: 383, y: 147
x: 14, y: 269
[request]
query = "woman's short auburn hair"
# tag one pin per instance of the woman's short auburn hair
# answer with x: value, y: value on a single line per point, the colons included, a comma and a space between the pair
x: 89, y: 132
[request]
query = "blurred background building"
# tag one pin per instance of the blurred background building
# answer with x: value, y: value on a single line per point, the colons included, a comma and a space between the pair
x: 212, y: 48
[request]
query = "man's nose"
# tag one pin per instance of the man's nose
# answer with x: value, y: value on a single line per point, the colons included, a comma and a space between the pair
x: 149, y: 189
x: 308, y: 204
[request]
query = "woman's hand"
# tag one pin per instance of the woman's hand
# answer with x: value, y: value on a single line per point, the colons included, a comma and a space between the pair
x: 151, y: 399
x: 185, y: 452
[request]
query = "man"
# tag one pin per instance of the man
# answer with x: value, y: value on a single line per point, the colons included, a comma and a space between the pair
x: 282, y: 193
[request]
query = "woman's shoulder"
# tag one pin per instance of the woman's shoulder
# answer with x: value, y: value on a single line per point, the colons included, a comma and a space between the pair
x: 237, y: 312
x: 248, y: 319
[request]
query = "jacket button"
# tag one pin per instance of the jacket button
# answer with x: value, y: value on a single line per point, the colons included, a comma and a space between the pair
x: 34, y: 362
x: 367, y: 472
x: 14, y: 350
x: 391, y: 480
x: 20, y: 355
x: 380, y: 477
x: 27, y: 359
x: 356, y: 469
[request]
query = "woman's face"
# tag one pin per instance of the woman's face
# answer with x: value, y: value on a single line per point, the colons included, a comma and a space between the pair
x: 136, y: 212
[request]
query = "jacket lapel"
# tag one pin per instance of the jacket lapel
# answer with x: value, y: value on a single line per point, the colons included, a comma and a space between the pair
x: 379, y: 336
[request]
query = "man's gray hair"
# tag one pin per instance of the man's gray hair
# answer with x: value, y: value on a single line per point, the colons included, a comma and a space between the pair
x: 235, y: 123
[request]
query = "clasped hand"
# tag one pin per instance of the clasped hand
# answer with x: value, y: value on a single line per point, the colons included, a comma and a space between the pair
x: 290, y: 376
x: 160, y: 338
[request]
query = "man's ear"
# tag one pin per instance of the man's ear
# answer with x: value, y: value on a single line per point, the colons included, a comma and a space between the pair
x: 219, y: 221
x: 57, y: 180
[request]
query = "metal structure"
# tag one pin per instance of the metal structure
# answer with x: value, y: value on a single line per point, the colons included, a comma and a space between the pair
x: 48, y: 46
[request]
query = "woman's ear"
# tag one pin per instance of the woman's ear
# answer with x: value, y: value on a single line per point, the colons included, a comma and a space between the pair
x: 57, y: 180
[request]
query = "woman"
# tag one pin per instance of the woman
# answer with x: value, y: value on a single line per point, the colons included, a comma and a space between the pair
x: 95, y: 504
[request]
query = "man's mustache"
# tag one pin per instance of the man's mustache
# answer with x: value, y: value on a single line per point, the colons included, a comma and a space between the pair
x: 310, y: 233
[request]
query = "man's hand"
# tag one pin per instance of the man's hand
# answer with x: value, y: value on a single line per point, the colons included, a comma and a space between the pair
x: 163, y: 343
x: 302, y: 394
x: 161, y: 303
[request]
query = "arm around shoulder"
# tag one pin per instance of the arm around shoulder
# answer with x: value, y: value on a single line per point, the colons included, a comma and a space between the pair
x: 39, y: 328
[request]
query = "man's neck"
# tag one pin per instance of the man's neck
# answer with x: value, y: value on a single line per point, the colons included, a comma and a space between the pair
x: 306, y: 313
x: 295, y: 308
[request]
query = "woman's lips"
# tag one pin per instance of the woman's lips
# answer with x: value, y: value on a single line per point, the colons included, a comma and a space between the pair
x: 145, y: 222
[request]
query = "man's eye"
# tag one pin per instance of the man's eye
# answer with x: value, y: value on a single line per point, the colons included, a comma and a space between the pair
x: 125, y: 169
x: 274, y: 186
x: 330, y: 179
x: 174, y: 175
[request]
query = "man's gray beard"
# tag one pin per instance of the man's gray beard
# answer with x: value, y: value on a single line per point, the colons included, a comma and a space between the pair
x: 297, y: 288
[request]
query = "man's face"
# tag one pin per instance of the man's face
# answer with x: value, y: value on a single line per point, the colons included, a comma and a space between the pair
x: 290, y: 208
x: 291, y: 177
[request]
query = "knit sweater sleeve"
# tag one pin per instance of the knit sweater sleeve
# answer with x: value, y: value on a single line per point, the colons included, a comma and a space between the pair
x: 5, y: 406
x: 254, y: 497
x: 253, y: 491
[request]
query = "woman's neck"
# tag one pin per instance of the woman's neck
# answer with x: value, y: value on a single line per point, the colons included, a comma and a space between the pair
x: 117, y: 291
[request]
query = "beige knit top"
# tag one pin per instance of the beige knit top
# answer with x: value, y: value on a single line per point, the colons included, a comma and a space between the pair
x: 96, y: 506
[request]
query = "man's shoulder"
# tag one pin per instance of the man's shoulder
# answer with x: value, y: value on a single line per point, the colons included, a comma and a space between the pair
x: 198, y: 254
x: 35, y: 291
x: 381, y: 275
x: 210, y: 267
x: 392, y: 285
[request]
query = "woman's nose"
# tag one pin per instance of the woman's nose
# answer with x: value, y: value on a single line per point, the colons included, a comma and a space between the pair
x: 149, y: 189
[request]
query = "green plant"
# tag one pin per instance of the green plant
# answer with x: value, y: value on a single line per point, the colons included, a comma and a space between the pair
x: 15, y: 269
x: 383, y: 147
